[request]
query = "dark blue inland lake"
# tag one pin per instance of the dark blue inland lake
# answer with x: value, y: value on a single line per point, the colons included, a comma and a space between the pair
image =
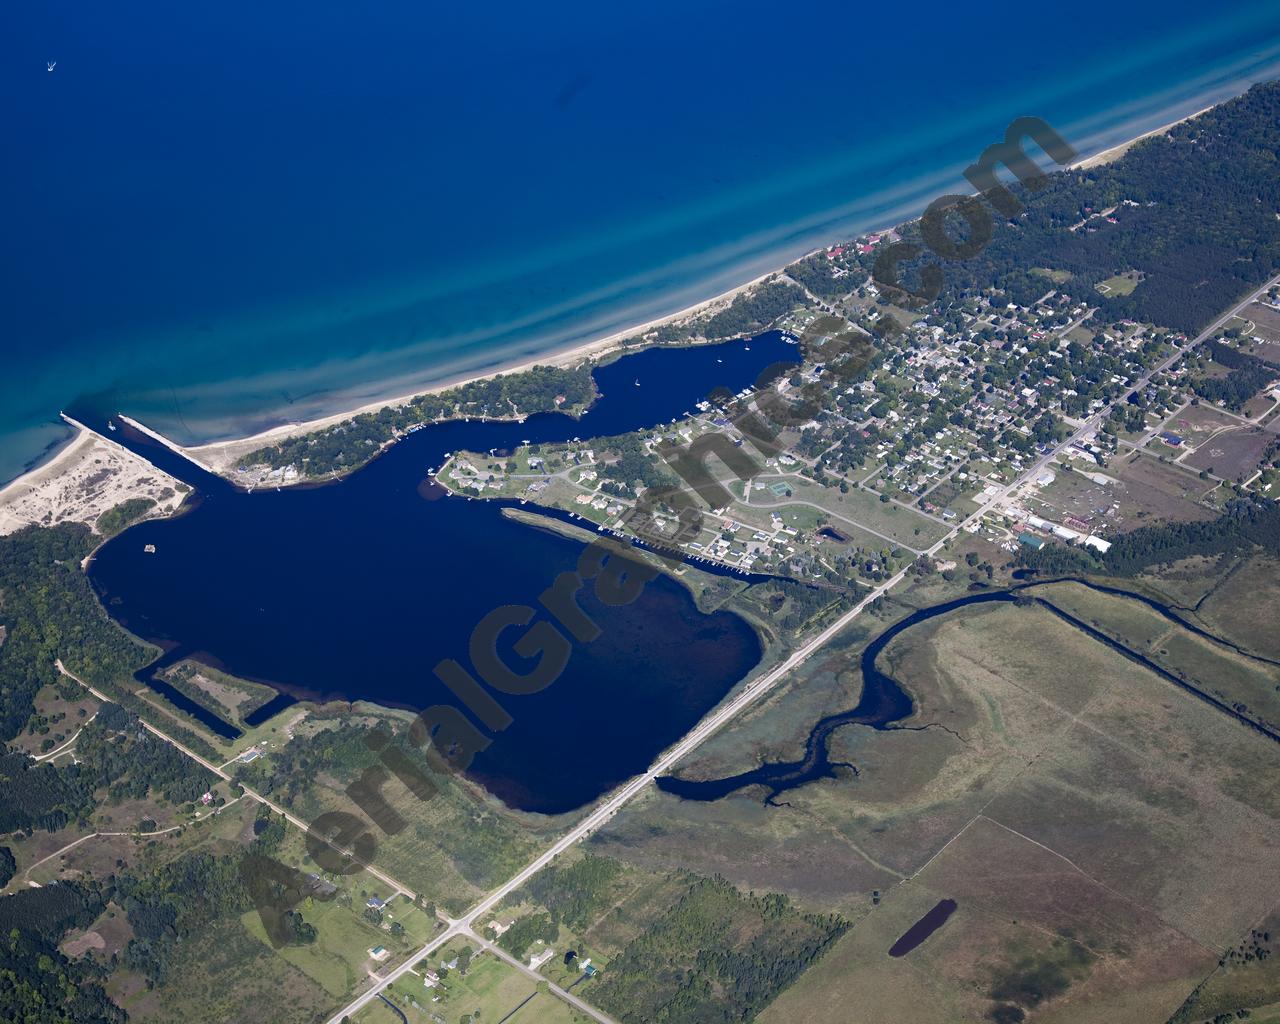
x: 355, y: 590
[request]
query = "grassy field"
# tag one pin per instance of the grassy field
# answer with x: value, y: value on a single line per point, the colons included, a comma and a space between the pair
x: 225, y: 695
x: 1195, y: 424
x: 488, y: 991
x: 60, y: 711
x: 1100, y: 829
x: 1233, y: 454
x: 1251, y: 686
x: 453, y: 847
x: 491, y: 991
x: 1160, y: 491
x: 1248, y: 978
x: 231, y: 976
x: 1120, y: 284
x: 858, y: 506
x: 1242, y: 607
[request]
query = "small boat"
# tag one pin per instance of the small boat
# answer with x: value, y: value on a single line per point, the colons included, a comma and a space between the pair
x: 637, y: 382
x: 51, y: 64
x: 110, y: 425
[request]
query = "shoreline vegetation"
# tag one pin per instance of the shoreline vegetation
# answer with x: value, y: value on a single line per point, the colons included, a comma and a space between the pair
x: 741, y: 310
x: 968, y: 734
x: 220, y: 457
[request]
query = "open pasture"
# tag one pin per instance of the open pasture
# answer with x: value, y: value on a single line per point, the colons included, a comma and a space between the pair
x: 1101, y: 830
x: 1232, y: 454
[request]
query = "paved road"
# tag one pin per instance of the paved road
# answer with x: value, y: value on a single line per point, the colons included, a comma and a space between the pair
x: 274, y: 807
x: 761, y: 686
x: 529, y: 972
x: 713, y: 722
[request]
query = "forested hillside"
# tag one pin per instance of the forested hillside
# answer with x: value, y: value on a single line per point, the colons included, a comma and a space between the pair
x: 50, y: 612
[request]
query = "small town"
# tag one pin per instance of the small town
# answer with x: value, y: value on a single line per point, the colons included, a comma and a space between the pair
x: 1121, y: 421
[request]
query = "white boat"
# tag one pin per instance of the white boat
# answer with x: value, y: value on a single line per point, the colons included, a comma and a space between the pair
x: 52, y: 64
x: 637, y: 382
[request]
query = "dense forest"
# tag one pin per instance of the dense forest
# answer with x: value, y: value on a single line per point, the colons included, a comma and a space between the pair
x: 1194, y: 212
x: 574, y: 894
x: 753, y: 312
x: 114, y: 520
x: 628, y: 462
x: 50, y: 612
x: 349, y: 444
x: 716, y: 957
x: 166, y: 905
x: 38, y: 984
x: 113, y: 753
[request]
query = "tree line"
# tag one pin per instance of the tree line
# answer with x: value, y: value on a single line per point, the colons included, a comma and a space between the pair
x: 717, y: 956
x: 351, y: 443
x: 1246, y: 522
x: 1193, y: 210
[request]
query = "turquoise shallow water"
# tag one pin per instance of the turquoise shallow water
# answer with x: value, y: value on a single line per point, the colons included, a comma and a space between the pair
x: 228, y: 217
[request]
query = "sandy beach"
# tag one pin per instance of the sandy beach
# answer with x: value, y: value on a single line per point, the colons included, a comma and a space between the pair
x: 220, y: 456
x: 1119, y: 150
x: 86, y: 478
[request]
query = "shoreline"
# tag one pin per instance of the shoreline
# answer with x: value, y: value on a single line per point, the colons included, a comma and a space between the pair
x: 1120, y: 148
x: 218, y: 456
x: 85, y: 478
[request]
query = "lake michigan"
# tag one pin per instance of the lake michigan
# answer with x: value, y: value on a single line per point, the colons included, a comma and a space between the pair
x: 300, y: 207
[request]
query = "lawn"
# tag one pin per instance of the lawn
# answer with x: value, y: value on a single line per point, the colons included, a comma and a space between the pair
x: 1242, y: 606
x: 862, y: 508
x: 1120, y: 284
